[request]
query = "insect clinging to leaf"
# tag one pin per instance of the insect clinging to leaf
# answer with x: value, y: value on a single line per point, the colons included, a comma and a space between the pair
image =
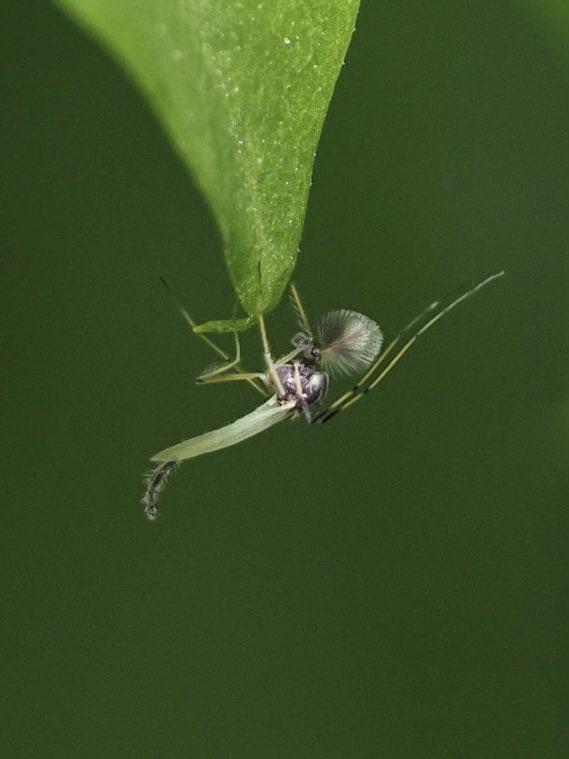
x: 344, y: 342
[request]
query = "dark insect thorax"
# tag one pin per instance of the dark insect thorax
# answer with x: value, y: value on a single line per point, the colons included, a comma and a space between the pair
x: 301, y: 383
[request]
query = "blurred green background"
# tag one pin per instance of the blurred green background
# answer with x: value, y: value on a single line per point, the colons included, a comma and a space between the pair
x: 391, y: 584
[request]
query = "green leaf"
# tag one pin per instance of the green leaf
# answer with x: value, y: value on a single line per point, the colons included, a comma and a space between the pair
x: 242, y: 88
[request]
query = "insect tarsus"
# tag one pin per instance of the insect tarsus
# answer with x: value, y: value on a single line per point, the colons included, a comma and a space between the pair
x: 155, y: 483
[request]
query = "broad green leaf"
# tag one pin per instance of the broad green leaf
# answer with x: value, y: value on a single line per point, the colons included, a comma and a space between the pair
x: 242, y: 88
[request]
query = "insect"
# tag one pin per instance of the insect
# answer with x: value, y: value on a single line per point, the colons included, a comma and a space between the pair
x: 344, y: 343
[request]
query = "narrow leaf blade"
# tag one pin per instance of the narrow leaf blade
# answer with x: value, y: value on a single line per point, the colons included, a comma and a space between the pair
x: 259, y: 420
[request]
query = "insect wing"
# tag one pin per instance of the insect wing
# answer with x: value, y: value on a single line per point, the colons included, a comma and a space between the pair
x: 349, y: 341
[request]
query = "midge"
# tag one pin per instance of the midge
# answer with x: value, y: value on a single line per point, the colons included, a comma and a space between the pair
x: 345, y: 342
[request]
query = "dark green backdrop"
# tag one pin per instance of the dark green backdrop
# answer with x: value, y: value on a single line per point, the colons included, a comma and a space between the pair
x: 393, y: 584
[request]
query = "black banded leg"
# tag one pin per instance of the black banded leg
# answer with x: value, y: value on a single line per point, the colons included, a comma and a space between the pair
x: 398, y: 348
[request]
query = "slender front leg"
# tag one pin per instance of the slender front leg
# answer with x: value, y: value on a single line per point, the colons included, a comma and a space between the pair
x: 271, y: 371
x: 231, y: 365
x: 302, y: 318
x: 232, y: 377
x: 221, y: 373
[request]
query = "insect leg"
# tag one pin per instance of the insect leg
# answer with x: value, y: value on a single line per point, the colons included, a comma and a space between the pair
x: 211, y: 379
x: 231, y: 364
x: 301, y: 316
x: 155, y: 483
x: 398, y: 348
x: 232, y: 371
x: 271, y: 371
x: 191, y: 323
